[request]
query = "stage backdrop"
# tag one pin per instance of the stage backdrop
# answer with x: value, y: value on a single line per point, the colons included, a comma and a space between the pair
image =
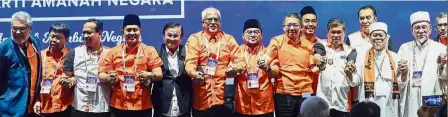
x: 156, y: 13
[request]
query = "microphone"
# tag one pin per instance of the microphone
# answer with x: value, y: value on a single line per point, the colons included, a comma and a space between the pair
x: 319, y: 48
x: 352, y: 56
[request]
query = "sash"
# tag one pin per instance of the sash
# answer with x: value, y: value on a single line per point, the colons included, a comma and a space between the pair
x: 369, y: 75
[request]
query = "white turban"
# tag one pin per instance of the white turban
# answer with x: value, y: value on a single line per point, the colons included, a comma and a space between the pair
x: 378, y: 26
x: 419, y: 16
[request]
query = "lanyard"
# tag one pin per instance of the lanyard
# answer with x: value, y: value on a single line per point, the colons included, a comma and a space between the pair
x: 123, y: 54
x: 55, y: 71
x: 23, y: 53
x: 247, y: 58
x: 207, y: 49
x: 89, y: 54
x: 424, y: 60
x: 379, y: 68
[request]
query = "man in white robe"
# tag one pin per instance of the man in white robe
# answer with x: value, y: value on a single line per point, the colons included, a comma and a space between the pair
x: 422, y: 54
x: 380, y: 70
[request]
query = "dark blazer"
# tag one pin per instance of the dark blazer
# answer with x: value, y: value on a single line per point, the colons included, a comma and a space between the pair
x: 15, y: 79
x: 163, y: 90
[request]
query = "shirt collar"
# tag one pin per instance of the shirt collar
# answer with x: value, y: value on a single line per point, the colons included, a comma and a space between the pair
x: 255, y: 50
x: 290, y: 41
x: 420, y: 46
x: 379, y: 54
x: 314, y: 39
x: 172, y: 54
x: 443, y: 40
x: 336, y: 49
x: 209, y: 37
x: 64, y: 52
x: 363, y: 35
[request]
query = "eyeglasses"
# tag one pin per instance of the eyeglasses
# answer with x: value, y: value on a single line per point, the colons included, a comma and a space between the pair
x: 20, y: 28
x: 210, y: 20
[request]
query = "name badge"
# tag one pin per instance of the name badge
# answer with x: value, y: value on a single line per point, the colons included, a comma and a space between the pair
x: 129, y: 83
x: 46, y: 86
x: 210, y: 67
x: 252, y: 80
x: 417, y: 78
x: 92, y: 84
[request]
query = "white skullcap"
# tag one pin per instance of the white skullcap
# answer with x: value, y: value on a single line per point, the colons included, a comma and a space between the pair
x: 419, y: 16
x: 378, y: 26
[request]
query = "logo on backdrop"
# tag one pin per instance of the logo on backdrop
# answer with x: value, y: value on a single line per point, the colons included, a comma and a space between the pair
x: 146, y: 9
x: 76, y: 37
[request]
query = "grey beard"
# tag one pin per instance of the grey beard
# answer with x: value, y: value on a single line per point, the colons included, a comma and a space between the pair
x: 421, y: 40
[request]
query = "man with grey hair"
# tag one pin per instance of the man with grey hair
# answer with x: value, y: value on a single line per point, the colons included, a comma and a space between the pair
x: 315, y: 107
x: 208, y: 56
x: 19, y: 68
x: 442, y: 27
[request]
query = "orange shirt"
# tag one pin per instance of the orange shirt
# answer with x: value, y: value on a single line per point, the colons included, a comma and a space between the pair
x: 59, y: 98
x: 315, y: 76
x: 253, y: 101
x: 212, y: 91
x: 312, y: 40
x: 146, y: 59
x: 443, y: 41
x: 295, y: 62
x: 32, y: 55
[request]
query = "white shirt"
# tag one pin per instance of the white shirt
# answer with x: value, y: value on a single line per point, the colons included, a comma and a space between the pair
x: 426, y: 55
x: 334, y: 85
x: 87, y: 64
x: 174, y: 70
x: 358, y: 42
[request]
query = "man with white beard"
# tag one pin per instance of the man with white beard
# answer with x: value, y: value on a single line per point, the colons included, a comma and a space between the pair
x: 380, y: 70
x: 422, y: 54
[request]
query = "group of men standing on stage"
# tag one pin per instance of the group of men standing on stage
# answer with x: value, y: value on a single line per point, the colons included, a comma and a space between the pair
x: 132, y: 78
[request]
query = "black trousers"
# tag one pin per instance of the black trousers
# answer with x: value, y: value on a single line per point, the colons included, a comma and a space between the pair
x: 77, y: 113
x: 287, y: 105
x: 158, y: 114
x: 262, y: 115
x: 336, y: 113
x: 65, y: 113
x: 131, y: 113
x: 32, y: 114
x: 214, y: 111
